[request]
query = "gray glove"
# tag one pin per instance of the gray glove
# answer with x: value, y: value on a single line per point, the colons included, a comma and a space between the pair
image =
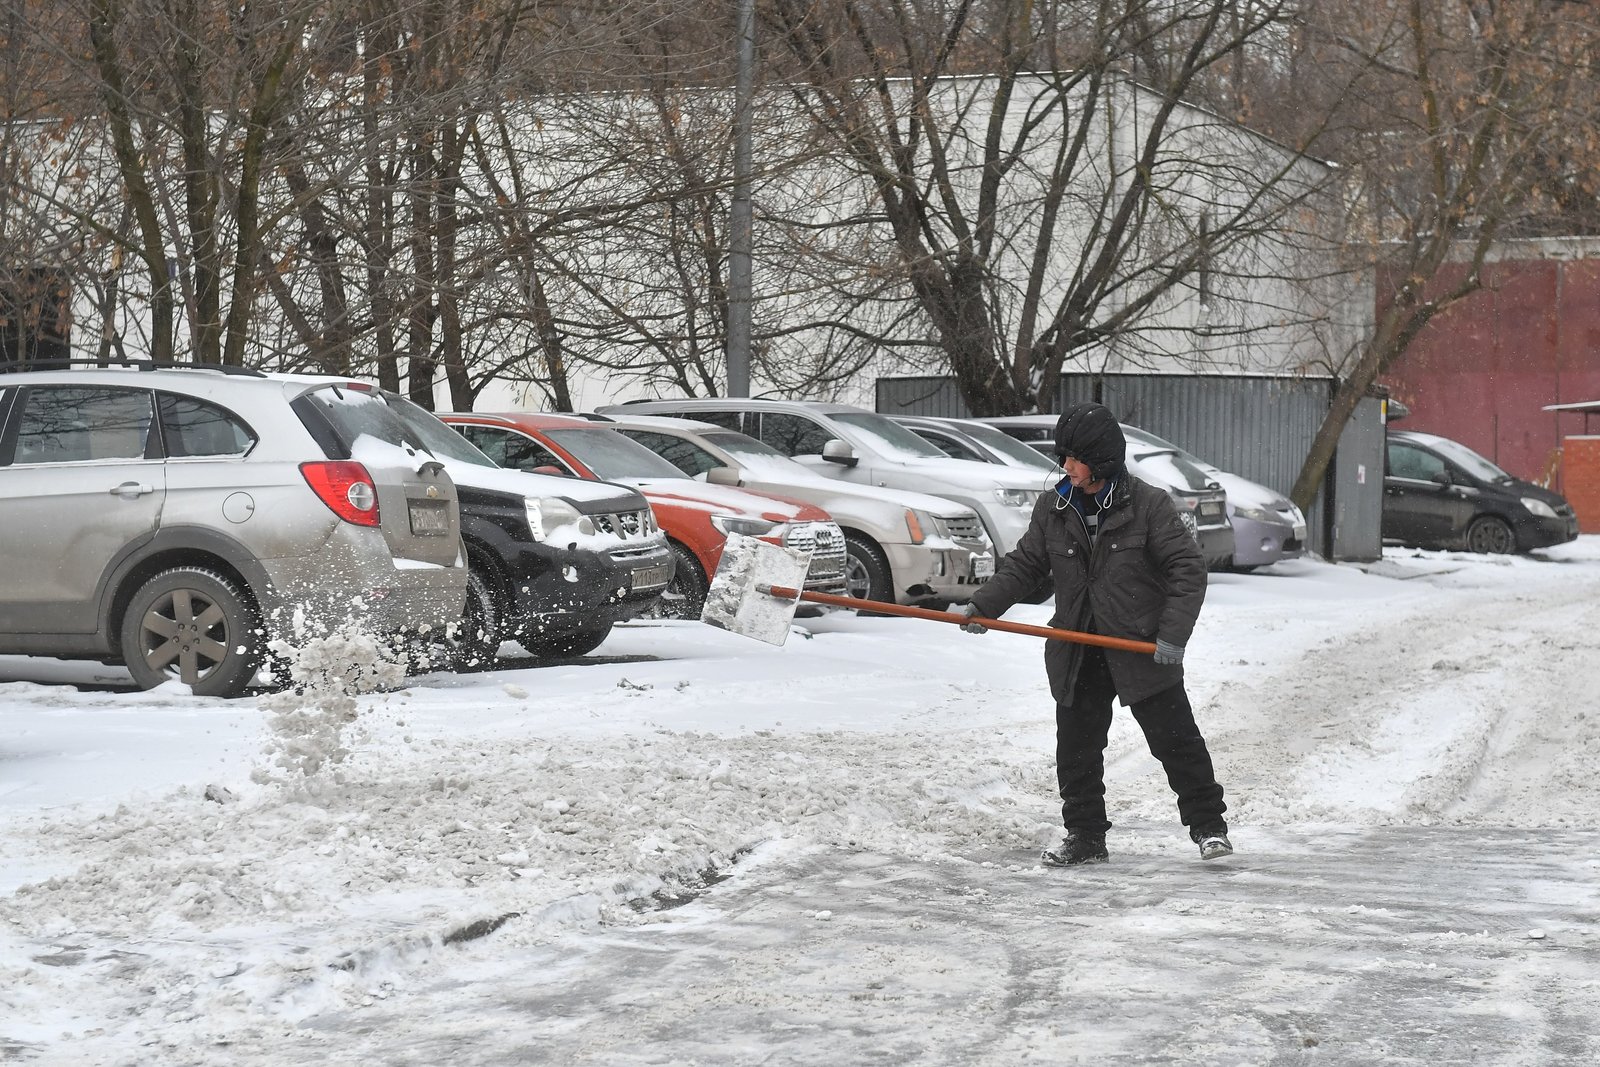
x: 971, y: 610
x: 1169, y: 655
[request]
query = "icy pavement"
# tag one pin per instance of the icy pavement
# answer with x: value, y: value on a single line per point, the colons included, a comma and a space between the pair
x: 1380, y: 946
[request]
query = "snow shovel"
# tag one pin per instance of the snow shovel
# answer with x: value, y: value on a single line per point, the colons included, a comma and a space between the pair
x: 758, y: 585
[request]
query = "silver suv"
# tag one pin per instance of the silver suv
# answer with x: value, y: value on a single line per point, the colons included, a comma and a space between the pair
x: 175, y: 520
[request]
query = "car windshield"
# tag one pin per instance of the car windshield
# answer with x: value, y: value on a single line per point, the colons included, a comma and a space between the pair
x: 757, y: 457
x: 1469, y: 461
x: 888, y: 435
x: 999, y: 441
x: 612, y: 456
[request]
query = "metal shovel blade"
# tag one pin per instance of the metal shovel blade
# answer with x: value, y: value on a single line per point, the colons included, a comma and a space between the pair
x: 735, y: 601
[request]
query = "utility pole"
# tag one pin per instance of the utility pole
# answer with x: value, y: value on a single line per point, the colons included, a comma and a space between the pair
x: 740, y: 217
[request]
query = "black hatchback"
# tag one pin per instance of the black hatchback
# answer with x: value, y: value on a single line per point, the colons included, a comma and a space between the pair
x: 1439, y: 492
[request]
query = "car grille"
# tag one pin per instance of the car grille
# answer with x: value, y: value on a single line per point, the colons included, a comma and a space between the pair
x: 825, y: 542
x: 625, y: 524
x: 636, y: 530
x: 634, y: 551
x: 964, y: 527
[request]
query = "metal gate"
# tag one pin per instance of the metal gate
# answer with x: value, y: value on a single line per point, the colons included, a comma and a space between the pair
x: 1257, y: 426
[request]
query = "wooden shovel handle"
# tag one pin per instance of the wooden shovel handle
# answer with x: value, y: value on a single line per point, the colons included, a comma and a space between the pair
x: 785, y: 593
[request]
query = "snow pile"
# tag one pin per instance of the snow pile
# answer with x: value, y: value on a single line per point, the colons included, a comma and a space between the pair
x: 326, y: 671
x: 483, y: 831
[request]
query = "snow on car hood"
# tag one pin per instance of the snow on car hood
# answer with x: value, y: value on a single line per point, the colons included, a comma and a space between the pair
x: 1242, y: 492
x: 775, y: 478
x: 727, y: 499
x: 775, y: 474
x: 969, y: 474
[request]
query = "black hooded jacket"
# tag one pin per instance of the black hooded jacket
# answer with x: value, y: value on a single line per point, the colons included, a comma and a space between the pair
x: 1144, y: 578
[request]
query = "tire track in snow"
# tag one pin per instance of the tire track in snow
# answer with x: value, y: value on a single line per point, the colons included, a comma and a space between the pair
x: 1479, y: 710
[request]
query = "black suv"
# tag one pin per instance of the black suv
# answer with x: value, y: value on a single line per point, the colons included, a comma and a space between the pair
x: 1440, y: 493
x: 553, y: 562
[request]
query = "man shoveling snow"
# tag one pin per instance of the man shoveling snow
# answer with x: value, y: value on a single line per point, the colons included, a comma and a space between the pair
x: 1122, y: 564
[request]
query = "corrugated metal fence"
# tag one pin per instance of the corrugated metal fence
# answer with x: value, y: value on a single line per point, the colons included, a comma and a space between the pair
x: 1256, y: 426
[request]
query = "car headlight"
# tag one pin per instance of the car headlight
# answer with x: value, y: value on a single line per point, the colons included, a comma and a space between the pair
x: 1257, y: 514
x: 1017, y: 498
x: 738, y: 524
x: 1538, y: 508
x: 547, y: 514
x: 921, y: 525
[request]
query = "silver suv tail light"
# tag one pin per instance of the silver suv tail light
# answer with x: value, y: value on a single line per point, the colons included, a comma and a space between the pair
x: 347, y: 489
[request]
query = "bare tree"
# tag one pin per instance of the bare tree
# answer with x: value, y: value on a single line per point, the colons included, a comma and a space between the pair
x: 60, y: 221
x: 1045, y: 203
x: 1461, y: 105
x: 191, y: 93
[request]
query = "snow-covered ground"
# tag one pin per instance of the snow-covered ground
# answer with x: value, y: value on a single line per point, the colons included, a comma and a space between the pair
x: 696, y: 849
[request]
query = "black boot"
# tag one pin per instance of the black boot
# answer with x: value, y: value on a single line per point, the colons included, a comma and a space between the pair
x: 1079, y: 846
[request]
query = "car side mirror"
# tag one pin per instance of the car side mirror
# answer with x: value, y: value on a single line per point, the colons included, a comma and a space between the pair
x: 840, y: 452
x: 1442, y: 477
x: 724, y: 476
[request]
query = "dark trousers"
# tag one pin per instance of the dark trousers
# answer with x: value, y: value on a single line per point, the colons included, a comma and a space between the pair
x: 1169, y: 728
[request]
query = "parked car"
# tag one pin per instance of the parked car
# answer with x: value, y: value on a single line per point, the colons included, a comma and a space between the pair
x: 903, y: 547
x: 1202, y: 505
x: 177, y: 520
x: 554, y: 564
x: 1267, y: 527
x: 862, y: 447
x: 1440, y: 493
x: 696, y: 517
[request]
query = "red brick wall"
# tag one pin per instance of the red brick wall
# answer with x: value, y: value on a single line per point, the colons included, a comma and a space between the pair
x: 1580, y: 468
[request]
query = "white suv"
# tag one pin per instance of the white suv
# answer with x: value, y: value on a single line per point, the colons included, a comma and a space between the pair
x: 174, y: 519
x: 860, y: 446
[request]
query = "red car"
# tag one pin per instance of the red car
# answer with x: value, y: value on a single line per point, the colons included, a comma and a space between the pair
x: 696, y: 516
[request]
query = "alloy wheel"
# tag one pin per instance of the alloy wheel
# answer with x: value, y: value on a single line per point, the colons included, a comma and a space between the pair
x: 1491, y: 535
x: 184, y: 634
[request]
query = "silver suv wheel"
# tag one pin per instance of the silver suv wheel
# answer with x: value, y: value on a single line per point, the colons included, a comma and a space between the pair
x: 194, y: 626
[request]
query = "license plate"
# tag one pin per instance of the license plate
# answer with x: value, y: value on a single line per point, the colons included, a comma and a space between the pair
x: 1300, y: 532
x: 430, y: 518
x: 982, y: 566
x: 650, y: 577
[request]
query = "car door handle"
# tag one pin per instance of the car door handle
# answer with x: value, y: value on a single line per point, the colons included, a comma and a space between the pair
x: 133, y: 489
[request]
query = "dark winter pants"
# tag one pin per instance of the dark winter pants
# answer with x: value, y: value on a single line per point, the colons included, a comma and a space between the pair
x: 1169, y: 729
